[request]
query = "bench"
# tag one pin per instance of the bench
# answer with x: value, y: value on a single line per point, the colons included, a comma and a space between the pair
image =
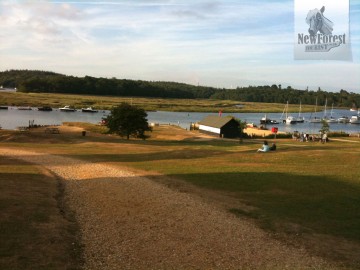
x: 52, y: 130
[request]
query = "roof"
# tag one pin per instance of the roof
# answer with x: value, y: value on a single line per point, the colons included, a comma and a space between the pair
x: 215, y: 121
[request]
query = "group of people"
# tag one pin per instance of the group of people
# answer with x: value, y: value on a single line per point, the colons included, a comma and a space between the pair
x: 304, y: 137
x: 266, y: 147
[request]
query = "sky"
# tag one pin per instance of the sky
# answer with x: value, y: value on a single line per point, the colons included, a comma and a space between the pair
x: 225, y: 44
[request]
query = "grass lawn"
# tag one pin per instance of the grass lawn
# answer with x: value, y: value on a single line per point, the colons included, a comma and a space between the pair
x: 36, y: 230
x: 306, y: 194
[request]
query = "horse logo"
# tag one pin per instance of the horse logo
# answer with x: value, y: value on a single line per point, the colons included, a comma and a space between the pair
x: 318, y: 22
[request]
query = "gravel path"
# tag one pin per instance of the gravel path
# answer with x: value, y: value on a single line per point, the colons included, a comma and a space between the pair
x: 131, y: 222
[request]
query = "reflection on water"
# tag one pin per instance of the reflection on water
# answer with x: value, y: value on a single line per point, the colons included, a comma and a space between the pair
x: 12, y: 118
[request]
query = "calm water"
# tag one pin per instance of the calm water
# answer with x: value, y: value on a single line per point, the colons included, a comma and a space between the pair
x: 13, y: 118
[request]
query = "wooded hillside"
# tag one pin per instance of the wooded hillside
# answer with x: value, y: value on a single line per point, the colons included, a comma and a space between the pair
x: 50, y: 82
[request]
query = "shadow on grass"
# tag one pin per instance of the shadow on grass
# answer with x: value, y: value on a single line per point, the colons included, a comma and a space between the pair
x: 35, y: 230
x: 184, y: 154
x: 321, y: 205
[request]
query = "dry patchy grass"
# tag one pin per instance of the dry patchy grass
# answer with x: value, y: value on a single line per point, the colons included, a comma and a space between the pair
x: 37, y: 231
x: 305, y: 194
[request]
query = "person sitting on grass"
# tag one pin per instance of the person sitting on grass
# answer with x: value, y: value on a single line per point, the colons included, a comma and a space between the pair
x: 265, y: 147
x: 273, y: 147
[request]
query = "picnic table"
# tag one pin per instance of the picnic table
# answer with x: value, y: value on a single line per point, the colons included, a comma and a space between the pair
x: 52, y: 130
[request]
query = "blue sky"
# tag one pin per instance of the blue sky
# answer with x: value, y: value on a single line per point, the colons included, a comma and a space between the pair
x: 224, y: 43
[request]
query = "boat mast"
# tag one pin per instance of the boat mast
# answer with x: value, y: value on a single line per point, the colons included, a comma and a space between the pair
x: 287, y: 107
x: 325, y: 108
x: 282, y: 115
x: 314, y: 112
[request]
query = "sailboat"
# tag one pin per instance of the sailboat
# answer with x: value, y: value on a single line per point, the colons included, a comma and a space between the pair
x: 299, y: 119
x: 288, y: 118
x: 315, y: 119
x: 331, y: 119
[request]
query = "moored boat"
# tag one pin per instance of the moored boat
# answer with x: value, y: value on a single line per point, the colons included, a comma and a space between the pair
x: 331, y: 120
x: 45, y: 108
x: 4, y: 107
x: 24, y: 108
x: 89, y: 109
x: 315, y: 119
x: 355, y: 119
x: 353, y: 108
x: 67, y: 109
x: 299, y: 119
x: 264, y: 121
x: 290, y: 120
x: 343, y: 119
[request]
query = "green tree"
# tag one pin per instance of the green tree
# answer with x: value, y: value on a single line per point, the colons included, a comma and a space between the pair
x: 325, y: 128
x: 127, y: 120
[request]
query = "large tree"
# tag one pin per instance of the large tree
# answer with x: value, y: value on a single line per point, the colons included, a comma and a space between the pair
x: 127, y: 120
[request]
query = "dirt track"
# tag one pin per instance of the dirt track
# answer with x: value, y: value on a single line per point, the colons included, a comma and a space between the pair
x: 131, y: 222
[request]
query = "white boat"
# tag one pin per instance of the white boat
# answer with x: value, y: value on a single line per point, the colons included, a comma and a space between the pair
x: 24, y: 108
x: 353, y: 108
x: 67, y: 109
x: 355, y: 119
x: 291, y: 120
x: 331, y: 119
x: 288, y: 118
x: 343, y: 119
x: 89, y: 109
x: 325, y: 112
x: 299, y: 119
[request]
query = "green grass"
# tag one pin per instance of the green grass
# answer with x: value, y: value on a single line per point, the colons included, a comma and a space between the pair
x: 307, y: 191
x: 33, y: 231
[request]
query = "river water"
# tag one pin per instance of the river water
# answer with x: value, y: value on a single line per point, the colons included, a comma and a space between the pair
x: 13, y: 118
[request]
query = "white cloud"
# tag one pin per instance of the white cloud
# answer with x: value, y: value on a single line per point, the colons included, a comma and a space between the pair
x: 214, y: 42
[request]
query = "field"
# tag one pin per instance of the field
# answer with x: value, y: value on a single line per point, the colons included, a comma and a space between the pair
x: 37, y: 230
x: 149, y: 104
x: 306, y: 195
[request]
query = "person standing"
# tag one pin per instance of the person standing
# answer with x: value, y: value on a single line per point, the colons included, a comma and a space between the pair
x: 324, y: 138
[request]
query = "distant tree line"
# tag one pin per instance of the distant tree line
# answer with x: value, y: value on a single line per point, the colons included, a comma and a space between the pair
x: 50, y: 82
